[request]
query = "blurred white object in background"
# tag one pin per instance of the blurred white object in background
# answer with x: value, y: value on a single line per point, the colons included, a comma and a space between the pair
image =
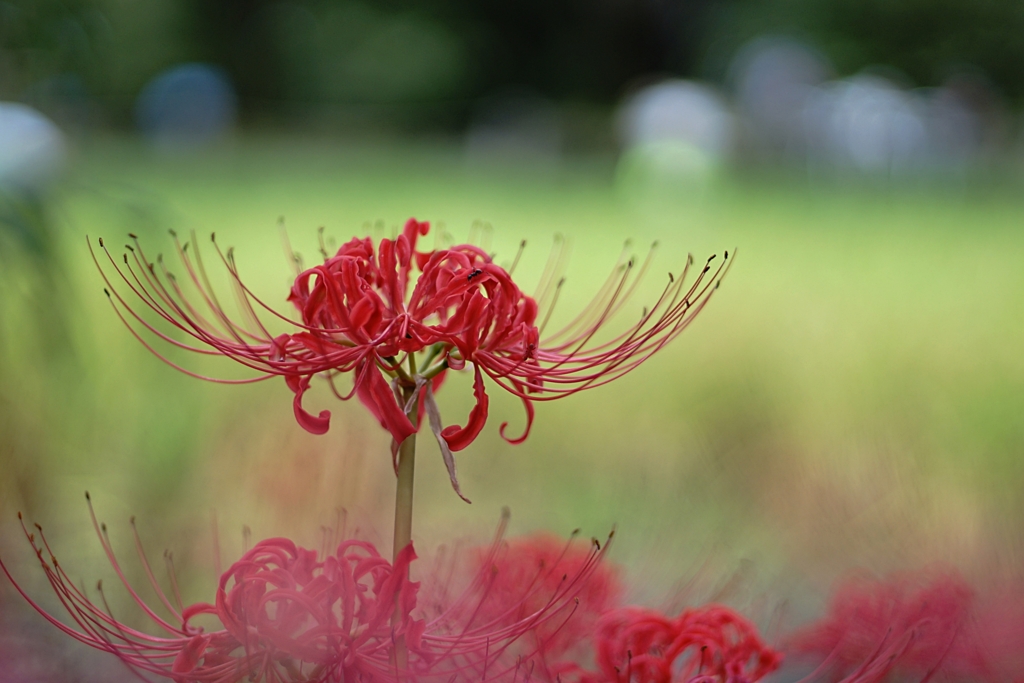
x: 514, y: 127
x: 676, y: 135
x: 866, y: 124
x: 677, y: 112
x: 187, y: 107
x: 32, y: 149
x: 772, y: 79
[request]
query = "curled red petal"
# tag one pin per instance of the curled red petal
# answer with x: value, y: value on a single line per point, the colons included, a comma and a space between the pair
x: 197, y: 608
x: 457, y: 437
x: 528, y: 405
x: 314, y: 425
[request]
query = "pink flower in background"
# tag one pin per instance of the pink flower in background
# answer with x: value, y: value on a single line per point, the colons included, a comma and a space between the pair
x: 710, y: 644
x: 367, y: 308
x: 917, y: 626
x: 527, y: 571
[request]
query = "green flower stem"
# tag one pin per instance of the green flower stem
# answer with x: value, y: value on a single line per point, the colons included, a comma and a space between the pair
x: 403, y: 491
x: 403, y: 528
x: 406, y: 472
x: 436, y: 370
x: 403, y: 507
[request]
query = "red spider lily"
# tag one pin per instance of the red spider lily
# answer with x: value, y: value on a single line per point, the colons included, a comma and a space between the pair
x: 710, y: 644
x: 288, y: 614
x: 291, y: 614
x: 914, y: 626
x: 358, y: 316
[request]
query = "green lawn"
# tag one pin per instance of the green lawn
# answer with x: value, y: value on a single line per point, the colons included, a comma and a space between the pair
x: 852, y: 395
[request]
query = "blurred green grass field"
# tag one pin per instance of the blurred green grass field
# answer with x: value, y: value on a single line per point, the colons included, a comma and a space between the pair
x: 851, y: 396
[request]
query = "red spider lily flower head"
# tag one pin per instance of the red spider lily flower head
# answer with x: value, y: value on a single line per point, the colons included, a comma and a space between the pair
x: 331, y: 618
x: 710, y: 644
x: 397, y: 319
x: 289, y: 614
x: 910, y: 625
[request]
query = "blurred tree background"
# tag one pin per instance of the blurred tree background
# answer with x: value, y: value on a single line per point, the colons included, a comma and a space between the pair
x: 926, y: 40
x: 425, y: 64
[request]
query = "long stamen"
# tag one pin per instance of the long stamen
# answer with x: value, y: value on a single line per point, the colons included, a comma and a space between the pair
x: 519, y: 254
x: 553, y: 270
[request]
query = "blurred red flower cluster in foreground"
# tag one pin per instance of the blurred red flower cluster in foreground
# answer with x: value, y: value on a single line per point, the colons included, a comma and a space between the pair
x: 530, y: 608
